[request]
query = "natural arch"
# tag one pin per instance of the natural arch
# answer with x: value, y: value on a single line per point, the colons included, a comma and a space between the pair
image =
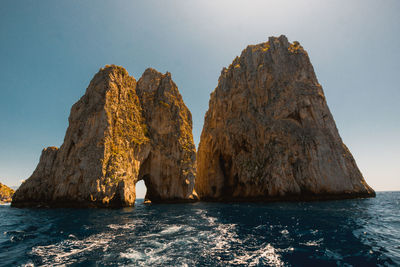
x: 111, y: 129
x: 146, y: 176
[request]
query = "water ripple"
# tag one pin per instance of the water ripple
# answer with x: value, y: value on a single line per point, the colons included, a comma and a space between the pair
x: 360, y: 232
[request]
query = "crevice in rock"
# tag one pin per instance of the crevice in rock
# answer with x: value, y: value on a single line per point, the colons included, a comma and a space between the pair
x: 70, y: 148
x: 229, y: 183
x: 295, y: 115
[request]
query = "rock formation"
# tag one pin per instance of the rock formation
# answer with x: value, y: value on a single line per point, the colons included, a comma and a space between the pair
x: 169, y: 169
x: 269, y: 135
x: 5, y: 193
x: 119, y: 132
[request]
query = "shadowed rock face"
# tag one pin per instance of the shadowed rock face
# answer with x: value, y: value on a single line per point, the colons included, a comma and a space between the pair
x: 114, y: 140
x: 269, y: 135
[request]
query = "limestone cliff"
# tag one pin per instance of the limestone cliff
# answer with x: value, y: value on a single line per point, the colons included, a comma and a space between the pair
x: 268, y: 133
x: 5, y: 193
x: 109, y: 146
x: 170, y: 165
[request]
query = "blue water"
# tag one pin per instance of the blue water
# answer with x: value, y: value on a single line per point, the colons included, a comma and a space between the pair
x: 363, y: 232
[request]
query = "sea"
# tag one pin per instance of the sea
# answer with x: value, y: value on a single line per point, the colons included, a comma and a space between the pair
x: 359, y: 232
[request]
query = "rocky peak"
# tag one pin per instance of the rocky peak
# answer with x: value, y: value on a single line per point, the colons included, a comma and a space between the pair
x: 269, y: 134
x: 154, y: 82
x: 150, y: 80
x: 111, y: 143
x: 170, y: 128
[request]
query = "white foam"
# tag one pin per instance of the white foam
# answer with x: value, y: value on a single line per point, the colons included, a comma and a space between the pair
x: 150, y: 256
x: 268, y: 253
x: 211, y: 220
x: 121, y: 226
x: 313, y: 243
x: 171, y: 230
x: 224, y: 236
x: 60, y: 253
x: 133, y: 255
x: 285, y: 232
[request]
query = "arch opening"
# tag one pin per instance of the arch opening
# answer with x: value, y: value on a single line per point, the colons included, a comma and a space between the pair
x: 145, y: 176
x: 141, y: 190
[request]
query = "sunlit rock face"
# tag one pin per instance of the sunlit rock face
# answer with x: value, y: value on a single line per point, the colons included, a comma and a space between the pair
x: 269, y: 135
x: 113, y: 140
x: 5, y: 193
x: 169, y: 170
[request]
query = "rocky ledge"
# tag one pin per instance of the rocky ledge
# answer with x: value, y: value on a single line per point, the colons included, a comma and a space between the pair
x: 269, y: 135
x: 121, y: 131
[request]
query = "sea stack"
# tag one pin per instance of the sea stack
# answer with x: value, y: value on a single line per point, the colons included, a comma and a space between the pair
x: 269, y: 135
x: 121, y: 131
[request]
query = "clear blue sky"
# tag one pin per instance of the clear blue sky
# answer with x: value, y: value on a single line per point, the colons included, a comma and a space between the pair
x: 50, y: 50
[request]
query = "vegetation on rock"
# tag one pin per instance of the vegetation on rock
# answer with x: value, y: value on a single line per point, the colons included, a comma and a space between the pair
x: 6, y: 193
